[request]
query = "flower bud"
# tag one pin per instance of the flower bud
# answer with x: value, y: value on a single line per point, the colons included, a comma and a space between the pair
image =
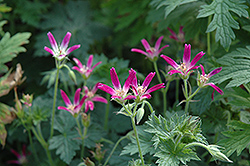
x: 85, y: 119
x: 140, y: 114
x: 88, y: 162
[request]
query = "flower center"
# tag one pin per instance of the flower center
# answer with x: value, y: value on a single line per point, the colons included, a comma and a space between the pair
x: 84, y: 69
x: 152, y: 49
x: 71, y: 107
x: 22, y: 159
x: 120, y: 92
x: 183, y: 67
x: 141, y: 90
x: 90, y: 94
x: 204, y: 78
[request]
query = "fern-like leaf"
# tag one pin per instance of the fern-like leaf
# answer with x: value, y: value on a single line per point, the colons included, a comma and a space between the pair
x: 223, y: 21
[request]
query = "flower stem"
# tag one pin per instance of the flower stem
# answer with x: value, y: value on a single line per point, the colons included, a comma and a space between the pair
x: 117, y: 143
x: 32, y: 145
x: 177, y: 90
x: 149, y: 106
x: 137, y: 140
x: 157, y: 72
x: 208, y: 38
x: 54, y: 103
x: 164, y: 93
x: 107, y: 113
x: 82, y: 135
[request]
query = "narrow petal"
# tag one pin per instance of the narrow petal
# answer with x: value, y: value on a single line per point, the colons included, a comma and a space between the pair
x: 77, y: 96
x: 86, y: 90
x: 154, y: 88
x: 14, y: 162
x: 95, y: 88
x: 52, y: 42
x: 98, y: 63
x: 162, y: 48
x: 202, y: 70
x: 65, y: 98
x: 15, y: 153
x: 196, y: 58
x: 134, y: 89
x: 158, y: 43
x: 192, y: 68
x: 129, y: 97
x: 145, y: 96
x: 86, y: 108
x: 170, y: 61
x: 174, y: 71
x: 116, y: 97
x: 66, y: 109
x: 139, y: 51
x: 215, y: 71
x: 48, y: 50
x: 65, y: 42
x: 82, y: 100
x: 148, y: 79
x: 145, y: 44
x: 128, y: 82
x: 77, y: 69
x: 215, y: 88
x: 72, y: 49
x: 90, y: 60
x: 173, y: 36
x: 114, y: 79
x: 99, y: 99
x: 106, y: 88
x: 77, y: 109
x: 187, y: 54
x: 91, y: 105
x: 78, y: 63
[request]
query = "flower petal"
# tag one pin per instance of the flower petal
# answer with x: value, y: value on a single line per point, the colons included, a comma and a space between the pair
x: 78, y: 63
x: 202, y: 70
x: 48, y: 50
x: 90, y: 60
x: 154, y: 88
x: 196, y: 58
x: 69, y: 50
x: 114, y: 79
x: 77, y: 96
x: 145, y: 44
x: 98, y: 63
x: 99, y: 99
x: 131, y: 77
x: 65, y: 98
x: 215, y: 88
x: 106, y: 88
x: 145, y: 96
x: 65, y: 42
x: 215, y: 71
x: 77, y: 69
x: 162, y: 49
x: 139, y: 51
x: 148, y: 79
x: 129, y: 97
x: 187, y: 54
x: 52, y: 42
x: 91, y: 105
x: 158, y: 43
x: 15, y: 153
x: 170, y: 61
x: 174, y: 71
x: 66, y: 109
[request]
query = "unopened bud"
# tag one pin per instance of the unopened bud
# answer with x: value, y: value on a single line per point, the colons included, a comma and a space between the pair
x: 88, y: 162
x: 139, y: 114
x: 85, y: 119
x: 72, y: 76
x: 27, y: 100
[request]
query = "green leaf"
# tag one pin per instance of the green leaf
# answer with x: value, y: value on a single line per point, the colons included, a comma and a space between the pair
x: 11, y: 46
x: 223, y: 21
x: 236, y: 68
x: 170, y: 4
x: 237, y: 139
x: 67, y: 142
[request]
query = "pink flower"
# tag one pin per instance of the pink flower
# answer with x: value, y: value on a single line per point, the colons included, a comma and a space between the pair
x: 118, y: 93
x: 180, y: 37
x: 141, y: 92
x: 91, y: 97
x: 21, y: 157
x: 60, y: 52
x: 151, y: 52
x: 204, y: 78
x: 77, y: 104
x: 186, y: 67
x: 85, y: 71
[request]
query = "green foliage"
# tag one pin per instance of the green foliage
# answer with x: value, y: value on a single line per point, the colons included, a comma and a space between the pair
x: 67, y: 142
x: 11, y: 46
x: 170, y: 4
x: 223, y: 21
x: 78, y: 21
x: 236, y: 68
x: 238, y: 138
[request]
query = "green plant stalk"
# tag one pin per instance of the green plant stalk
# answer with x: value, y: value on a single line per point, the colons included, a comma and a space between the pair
x: 164, y: 93
x: 82, y: 135
x: 32, y: 145
x: 177, y: 83
x: 208, y: 38
x: 117, y: 143
x: 137, y: 140
x: 54, y: 102
x: 107, y: 112
x: 157, y: 72
x: 149, y: 106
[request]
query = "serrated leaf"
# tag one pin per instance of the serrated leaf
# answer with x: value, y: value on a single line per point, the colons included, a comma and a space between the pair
x: 170, y: 4
x: 11, y: 46
x: 236, y: 68
x: 237, y: 139
x: 223, y: 22
x: 67, y: 142
x: 245, y: 117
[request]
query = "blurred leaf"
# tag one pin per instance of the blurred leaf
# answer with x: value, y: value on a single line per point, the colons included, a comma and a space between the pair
x: 11, y: 46
x: 66, y: 143
x: 3, y: 134
x: 238, y: 138
x: 245, y: 117
x: 4, y: 8
x: 223, y: 21
x: 170, y: 4
x: 236, y: 68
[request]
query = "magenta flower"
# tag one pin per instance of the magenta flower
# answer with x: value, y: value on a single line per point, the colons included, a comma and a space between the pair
x: 151, y: 52
x: 180, y: 37
x: 92, y: 97
x: 60, y: 52
x: 186, y: 67
x: 85, y: 71
x: 77, y: 104
x: 204, y: 78
x: 118, y: 93
x: 21, y: 157
x: 141, y: 92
